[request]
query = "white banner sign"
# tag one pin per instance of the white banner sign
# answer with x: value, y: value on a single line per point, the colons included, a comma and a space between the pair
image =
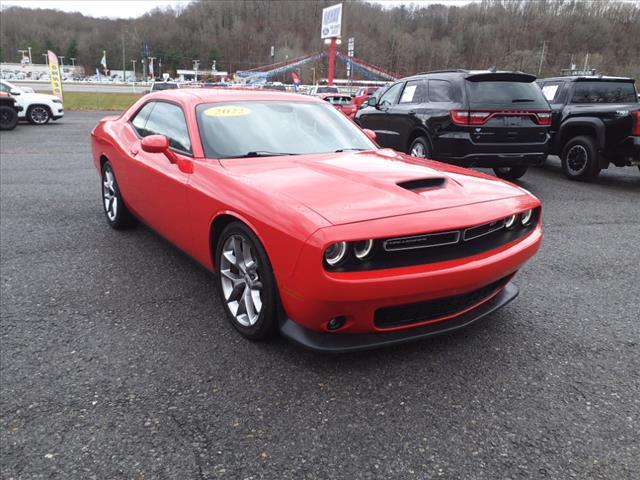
x: 331, y: 21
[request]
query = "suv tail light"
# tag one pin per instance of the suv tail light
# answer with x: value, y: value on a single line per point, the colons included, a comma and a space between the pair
x: 463, y: 117
x: 636, y: 124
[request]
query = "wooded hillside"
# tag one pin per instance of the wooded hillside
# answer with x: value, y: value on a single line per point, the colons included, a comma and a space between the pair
x: 238, y: 34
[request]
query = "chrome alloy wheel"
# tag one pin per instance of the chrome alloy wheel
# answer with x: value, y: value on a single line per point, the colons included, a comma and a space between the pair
x: 109, y: 194
x: 39, y: 115
x: 418, y: 150
x: 241, y: 285
x: 577, y: 159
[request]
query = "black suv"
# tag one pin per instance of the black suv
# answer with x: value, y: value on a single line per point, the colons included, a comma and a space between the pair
x: 595, y: 122
x: 489, y: 119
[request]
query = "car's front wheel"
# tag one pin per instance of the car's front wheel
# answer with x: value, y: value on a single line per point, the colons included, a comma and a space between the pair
x: 510, y: 173
x: 580, y: 159
x: 8, y: 118
x: 118, y: 215
x: 420, y: 148
x: 246, y: 283
x: 38, y: 114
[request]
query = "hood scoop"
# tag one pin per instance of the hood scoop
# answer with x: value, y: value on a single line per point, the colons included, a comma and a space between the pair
x: 421, y: 184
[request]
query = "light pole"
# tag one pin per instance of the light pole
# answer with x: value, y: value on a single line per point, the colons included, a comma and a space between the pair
x: 61, y: 57
x: 29, y: 55
x: 196, y: 64
x: 73, y: 62
x: 133, y: 62
x: 46, y: 58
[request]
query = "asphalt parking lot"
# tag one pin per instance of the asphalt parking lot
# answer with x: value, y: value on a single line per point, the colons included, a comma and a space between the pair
x: 117, y: 361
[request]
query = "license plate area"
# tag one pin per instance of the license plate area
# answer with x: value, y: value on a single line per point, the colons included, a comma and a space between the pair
x: 513, y: 121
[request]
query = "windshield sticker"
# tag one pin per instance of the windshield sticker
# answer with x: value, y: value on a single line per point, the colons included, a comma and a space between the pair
x: 549, y: 91
x: 227, y: 111
x: 407, y: 95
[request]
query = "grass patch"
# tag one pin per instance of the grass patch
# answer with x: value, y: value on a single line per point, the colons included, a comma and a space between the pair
x: 98, y: 100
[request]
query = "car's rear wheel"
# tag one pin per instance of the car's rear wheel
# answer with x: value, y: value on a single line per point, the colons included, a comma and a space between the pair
x: 420, y: 148
x: 118, y: 215
x: 246, y: 283
x: 38, y: 114
x: 580, y: 159
x: 8, y: 118
x: 510, y: 173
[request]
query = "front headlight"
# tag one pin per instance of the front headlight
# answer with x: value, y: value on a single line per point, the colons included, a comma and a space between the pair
x: 335, y: 253
x: 526, y: 217
x: 363, y: 249
x: 510, y: 222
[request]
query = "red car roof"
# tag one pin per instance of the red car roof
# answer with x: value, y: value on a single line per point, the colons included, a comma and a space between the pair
x: 205, y: 95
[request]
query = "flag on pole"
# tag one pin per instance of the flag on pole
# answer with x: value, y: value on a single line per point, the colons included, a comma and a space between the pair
x: 103, y: 61
x: 54, y: 74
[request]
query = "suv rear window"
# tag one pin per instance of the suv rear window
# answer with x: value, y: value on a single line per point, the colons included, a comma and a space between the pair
x: 604, y: 92
x: 520, y: 95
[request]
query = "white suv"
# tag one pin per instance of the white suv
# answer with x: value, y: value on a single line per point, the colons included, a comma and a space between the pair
x: 38, y: 108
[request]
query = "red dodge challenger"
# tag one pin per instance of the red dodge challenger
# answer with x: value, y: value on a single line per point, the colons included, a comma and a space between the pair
x: 314, y: 230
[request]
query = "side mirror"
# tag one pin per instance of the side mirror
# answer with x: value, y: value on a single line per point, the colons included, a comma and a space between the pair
x: 370, y: 133
x: 372, y: 101
x: 15, y: 92
x: 158, y: 144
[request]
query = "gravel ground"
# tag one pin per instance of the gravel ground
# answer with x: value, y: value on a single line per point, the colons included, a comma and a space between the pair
x: 117, y: 361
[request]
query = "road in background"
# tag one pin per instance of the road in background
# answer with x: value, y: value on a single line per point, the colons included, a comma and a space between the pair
x: 118, y: 362
x: 84, y: 87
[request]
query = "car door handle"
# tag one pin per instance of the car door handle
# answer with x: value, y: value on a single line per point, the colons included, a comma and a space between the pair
x: 135, y: 149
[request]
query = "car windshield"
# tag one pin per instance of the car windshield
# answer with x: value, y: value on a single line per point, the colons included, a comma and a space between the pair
x: 271, y: 128
x: 521, y: 95
x: 164, y: 86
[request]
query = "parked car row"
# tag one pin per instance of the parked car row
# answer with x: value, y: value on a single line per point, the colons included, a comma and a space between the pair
x: 509, y: 121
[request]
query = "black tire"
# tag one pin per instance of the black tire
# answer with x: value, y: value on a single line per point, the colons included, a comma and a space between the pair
x: 580, y: 159
x: 510, y: 173
x: 118, y: 215
x: 8, y: 118
x: 266, y: 320
x: 419, y: 145
x: 38, y: 114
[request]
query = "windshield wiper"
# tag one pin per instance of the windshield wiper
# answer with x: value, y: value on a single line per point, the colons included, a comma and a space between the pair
x: 349, y: 150
x: 262, y: 153
x: 519, y: 100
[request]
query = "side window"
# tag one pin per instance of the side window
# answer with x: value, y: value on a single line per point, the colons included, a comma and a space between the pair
x: 4, y: 88
x: 391, y: 96
x: 168, y: 119
x: 415, y: 92
x: 440, y: 91
x: 139, y: 122
x: 552, y: 91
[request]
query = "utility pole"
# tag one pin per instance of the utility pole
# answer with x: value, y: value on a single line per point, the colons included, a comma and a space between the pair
x: 160, y: 66
x: 586, y: 61
x: 29, y: 55
x: 124, y: 75
x: 133, y: 62
x: 544, y: 45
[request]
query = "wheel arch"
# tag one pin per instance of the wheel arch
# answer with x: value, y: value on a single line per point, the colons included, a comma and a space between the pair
x: 219, y: 222
x: 587, y: 126
x: 419, y: 132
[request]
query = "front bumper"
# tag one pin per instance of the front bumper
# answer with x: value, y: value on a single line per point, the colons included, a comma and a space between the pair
x: 326, y: 342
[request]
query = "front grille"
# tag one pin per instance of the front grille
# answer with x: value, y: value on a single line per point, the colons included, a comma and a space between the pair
x: 402, y: 315
x: 438, y: 246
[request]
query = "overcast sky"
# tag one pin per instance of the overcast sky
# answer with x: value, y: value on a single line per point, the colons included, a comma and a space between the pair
x: 136, y: 8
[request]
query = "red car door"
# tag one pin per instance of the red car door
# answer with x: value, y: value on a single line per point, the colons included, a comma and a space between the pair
x: 157, y: 188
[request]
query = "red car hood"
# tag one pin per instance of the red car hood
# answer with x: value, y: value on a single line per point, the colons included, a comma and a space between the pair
x: 356, y: 186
